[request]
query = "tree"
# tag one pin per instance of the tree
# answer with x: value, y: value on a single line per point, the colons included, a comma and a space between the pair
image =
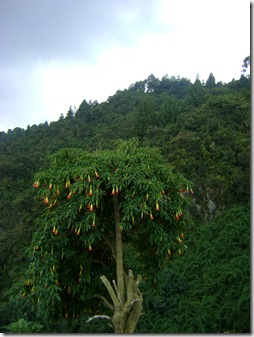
x: 169, y: 110
x: 145, y: 116
x: 83, y: 110
x: 218, y: 276
x: 95, y: 202
x: 179, y: 87
x: 153, y: 83
x: 139, y: 86
x: 71, y: 112
x: 197, y: 93
x: 208, y: 291
x: 210, y: 82
x: 246, y: 65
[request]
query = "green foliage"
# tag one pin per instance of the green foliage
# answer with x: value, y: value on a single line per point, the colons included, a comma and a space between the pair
x: 145, y: 116
x: 22, y: 326
x: 197, y: 94
x: 216, y: 156
x: 77, y: 227
x: 246, y: 65
x: 83, y: 111
x: 208, y: 290
x: 169, y: 110
x: 210, y: 83
x: 202, y: 131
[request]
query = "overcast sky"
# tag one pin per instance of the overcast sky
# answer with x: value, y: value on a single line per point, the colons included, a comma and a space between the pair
x: 56, y: 53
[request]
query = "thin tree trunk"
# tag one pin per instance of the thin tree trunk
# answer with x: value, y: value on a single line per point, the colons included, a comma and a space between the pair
x: 119, y: 253
x: 125, y: 294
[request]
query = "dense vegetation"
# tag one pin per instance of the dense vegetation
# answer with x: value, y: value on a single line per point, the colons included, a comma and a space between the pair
x: 203, y: 131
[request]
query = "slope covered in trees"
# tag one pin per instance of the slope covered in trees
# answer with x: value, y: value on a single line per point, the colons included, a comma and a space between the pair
x: 203, y: 131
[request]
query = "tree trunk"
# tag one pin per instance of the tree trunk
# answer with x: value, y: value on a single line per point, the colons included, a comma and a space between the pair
x: 119, y: 252
x: 125, y: 294
x: 127, y: 314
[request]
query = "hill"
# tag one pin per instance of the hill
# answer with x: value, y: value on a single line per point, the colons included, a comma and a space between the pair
x: 201, y: 129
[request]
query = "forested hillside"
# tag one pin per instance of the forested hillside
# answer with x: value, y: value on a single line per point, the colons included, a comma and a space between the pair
x: 203, y: 131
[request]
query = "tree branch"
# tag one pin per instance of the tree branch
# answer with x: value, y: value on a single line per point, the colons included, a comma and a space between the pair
x: 98, y: 317
x: 130, y: 295
x: 110, y: 290
x: 117, y: 292
x: 105, y: 302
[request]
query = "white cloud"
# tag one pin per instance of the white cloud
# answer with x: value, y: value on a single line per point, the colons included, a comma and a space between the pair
x: 174, y: 37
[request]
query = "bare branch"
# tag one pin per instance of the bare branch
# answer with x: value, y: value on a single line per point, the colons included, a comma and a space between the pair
x: 105, y: 302
x: 130, y: 284
x: 117, y: 292
x: 110, y: 290
x: 139, y: 278
x: 133, y: 293
x: 98, y: 317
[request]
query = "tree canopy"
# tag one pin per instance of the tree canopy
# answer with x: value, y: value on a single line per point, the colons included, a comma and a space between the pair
x: 82, y: 221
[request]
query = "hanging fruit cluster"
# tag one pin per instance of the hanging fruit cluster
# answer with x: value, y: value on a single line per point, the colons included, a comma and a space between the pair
x: 36, y: 184
x: 84, y: 189
x: 55, y: 230
x: 184, y: 192
x: 179, y: 214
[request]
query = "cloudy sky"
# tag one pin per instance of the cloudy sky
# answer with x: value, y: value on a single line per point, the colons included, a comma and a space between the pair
x: 56, y: 53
